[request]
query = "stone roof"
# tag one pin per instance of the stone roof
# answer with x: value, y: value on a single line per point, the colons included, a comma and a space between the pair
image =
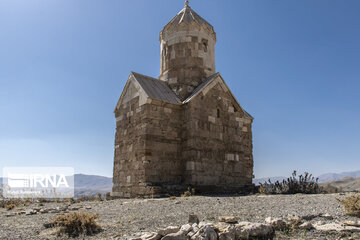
x: 203, y: 85
x: 188, y: 15
x: 156, y: 89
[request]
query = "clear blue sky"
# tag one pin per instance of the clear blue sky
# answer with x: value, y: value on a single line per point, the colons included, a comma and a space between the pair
x: 294, y: 65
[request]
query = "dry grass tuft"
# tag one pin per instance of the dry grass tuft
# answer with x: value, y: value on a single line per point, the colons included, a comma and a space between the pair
x: 352, y: 205
x: 74, y: 224
x: 189, y: 192
x: 10, y: 206
x: 11, y: 203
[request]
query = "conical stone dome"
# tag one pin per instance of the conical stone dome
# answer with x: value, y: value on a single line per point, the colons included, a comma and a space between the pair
x: 188, y: 15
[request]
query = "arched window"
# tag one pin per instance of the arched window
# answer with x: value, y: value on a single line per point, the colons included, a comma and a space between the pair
x: 205, y: 47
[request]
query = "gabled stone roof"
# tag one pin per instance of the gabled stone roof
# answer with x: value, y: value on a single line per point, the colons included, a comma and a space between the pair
x: 156, y: 89
x: 201, y: 86
x: 206, y: 83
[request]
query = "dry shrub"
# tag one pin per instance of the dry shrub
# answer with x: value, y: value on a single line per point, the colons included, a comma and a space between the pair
x: 305, y: 184
x: 186, y: 194
x: 108, y: 196
x: 100, y: 197
x: 10, y: 206
x: 189, y: 192
x: 352, y: 205
x: 263, y: 190
x: 331, y: 189
x: 85, y: 198
x: 76, y: 223
x: 11, y: 202
x: 294, y: 222
x: 43, y: 200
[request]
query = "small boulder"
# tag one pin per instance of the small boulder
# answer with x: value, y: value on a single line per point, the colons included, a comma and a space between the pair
x: 306, y: 226
x: 155, y: 237
x: 180, y: 235
x: 30, y: 212
x: 186, y: 228
x: 209, y: 233
x: 168, y: 230
x: 276, y: 223
x: 195, y: 227
x: 151, y: 236
x: 36, y: 209
x: 253, y: 230
x: 337, y: 227
x: 227, y: 219
x: 227, y: 233
x: 43, y: 210
x: 191, y: 234
x: 352, y: 223
x: 22, y: 212
x: 327, y: 216
x: 135, y: 238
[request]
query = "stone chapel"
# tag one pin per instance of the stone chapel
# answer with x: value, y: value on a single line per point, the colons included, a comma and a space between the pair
x: 184, y: 128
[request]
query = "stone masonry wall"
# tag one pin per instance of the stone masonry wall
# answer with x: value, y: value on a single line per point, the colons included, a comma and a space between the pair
x: 217, y: 147
x: 147, y: 153
x: 162, y: 159
x: 187, y: 59
x: 129, y: 148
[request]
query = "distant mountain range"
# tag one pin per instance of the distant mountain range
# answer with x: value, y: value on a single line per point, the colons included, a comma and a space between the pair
x: 334, y: 176
x: 89, y: 185
x: 345, y: 184
x: 257, y: 181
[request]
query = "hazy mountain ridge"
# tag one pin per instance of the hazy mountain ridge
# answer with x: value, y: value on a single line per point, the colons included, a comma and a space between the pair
x: 257, y: 181
x: 334, y: 176
x: 89, y: 185
x: 93, y: 184
x: 345, y: 184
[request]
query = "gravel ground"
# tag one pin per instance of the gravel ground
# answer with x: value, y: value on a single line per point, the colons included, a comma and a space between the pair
x: 120, y: 218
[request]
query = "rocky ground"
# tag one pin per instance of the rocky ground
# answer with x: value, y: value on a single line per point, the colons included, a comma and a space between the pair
x: 123, y: 218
